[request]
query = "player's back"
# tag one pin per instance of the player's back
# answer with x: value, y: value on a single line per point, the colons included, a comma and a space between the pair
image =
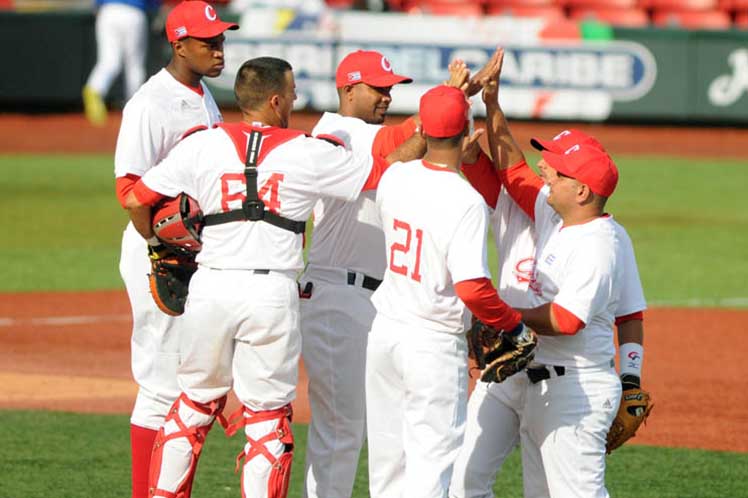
x: 293, y: 171
x: 434, y: 222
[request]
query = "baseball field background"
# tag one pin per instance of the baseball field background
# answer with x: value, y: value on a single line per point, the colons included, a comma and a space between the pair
x: 65, y: 386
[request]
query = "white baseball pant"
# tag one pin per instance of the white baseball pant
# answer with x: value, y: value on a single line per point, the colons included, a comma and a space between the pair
x: 121, y: 42
x: 561, y: 424
x: 335, y: 324
x: 240, y: 329
x: 155, y: 342
x: 416, y: 403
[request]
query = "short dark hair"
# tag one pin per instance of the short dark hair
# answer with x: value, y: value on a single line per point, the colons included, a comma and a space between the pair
x: 258, y: 79
x: 446, y: 142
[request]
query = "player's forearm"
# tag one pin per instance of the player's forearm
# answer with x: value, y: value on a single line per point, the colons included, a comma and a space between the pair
x: 631, y: 352
x: 483, y: 301
x: 631, y: 331
x: 502, y: 146
x: 140, y: 215
x: 138, y: 204
x: 544, y: 321
x: 413, y: 148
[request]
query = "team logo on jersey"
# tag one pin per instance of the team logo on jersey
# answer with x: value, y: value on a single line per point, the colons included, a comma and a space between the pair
x: 523, y: 270
x: 354, y: 76
x: 386, y: 64
x: 210, y: 13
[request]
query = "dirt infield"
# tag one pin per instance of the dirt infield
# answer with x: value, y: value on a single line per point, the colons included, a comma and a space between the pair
x: 21, y: 133
x: 70, y: 351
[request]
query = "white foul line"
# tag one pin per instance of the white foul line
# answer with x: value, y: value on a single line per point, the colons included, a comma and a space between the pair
x: 62, y: 320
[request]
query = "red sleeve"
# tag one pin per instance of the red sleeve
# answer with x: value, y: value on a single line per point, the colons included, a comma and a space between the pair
x: 144, y: 195
x: 389, y: 138
x: 123, y: 186
x: 480, y: 296
x: 378, y: 168
x: 484, y: 178
x: 639, y: 315
x: 568, y: 322
x: 523, y: 185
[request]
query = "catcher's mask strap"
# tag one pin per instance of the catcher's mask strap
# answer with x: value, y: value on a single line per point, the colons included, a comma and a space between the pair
x: 253, y: 208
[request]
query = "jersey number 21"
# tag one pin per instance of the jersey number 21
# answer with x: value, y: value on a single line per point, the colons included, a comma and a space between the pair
x: 405, y: 249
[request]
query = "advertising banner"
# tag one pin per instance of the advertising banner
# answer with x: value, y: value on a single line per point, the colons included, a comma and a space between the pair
x: 544, y: 78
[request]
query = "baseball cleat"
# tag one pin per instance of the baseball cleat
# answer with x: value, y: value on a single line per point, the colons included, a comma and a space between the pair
x: 94, y: 106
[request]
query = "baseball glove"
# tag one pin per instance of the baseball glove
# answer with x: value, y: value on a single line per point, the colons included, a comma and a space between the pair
x: 635, y: 407
x: 170, y: 278
x: 500, y: 355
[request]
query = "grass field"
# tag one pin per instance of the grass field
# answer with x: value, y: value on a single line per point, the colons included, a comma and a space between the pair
x: 73, y: 456
x: 62, y: 228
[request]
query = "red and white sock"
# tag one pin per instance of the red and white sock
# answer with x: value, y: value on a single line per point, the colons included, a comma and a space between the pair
x: 141, y: 446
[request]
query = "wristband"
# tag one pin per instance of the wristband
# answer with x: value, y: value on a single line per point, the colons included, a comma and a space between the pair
x: 153, y: 241
x: 631, y: 355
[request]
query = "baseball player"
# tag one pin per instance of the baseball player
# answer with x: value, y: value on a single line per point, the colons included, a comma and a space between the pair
x: 345, y: 265
x: 561, y: 410
x: 494, y: 411
x: 171, y: 104
x: 416, y: 364
x: 121, y: 42
x: 240, y: 327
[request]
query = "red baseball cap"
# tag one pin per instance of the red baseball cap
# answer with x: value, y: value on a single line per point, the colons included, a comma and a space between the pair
x: 196, y: 19
x: 443, y: 111
x: 367, y: 66
x: 587, y: 164
x: 564, y: 140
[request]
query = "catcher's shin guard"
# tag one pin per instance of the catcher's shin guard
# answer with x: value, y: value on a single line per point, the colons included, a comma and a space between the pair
x: 269, y: 437
x: 178, y: 446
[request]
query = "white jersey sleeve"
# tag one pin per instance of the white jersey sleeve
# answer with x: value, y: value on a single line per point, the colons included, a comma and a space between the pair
x: 466, y: 254
x: 337, y: 172
x: 175, y: 174
x: 141, y: 139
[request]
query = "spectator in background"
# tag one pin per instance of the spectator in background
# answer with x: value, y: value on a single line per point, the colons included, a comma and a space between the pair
x: 121, y: 43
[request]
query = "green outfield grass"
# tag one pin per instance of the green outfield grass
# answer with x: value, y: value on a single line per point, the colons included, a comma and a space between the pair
x: 74, y: 456
x: 62, y: 226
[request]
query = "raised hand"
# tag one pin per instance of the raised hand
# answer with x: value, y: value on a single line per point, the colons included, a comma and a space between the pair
x: 477, y: 81
x: 490, y: 82
x: 458, y: 74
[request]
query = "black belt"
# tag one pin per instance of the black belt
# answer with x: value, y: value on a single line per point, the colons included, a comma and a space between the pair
x: 537, y: 374
x: 369, y: 283
x: 261, y: 272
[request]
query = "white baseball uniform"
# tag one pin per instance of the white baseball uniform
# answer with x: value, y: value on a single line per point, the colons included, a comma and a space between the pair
x: 435, y: 230
x: 153, y: 121
x: 121, y: 42
x: 502, y: 415
x: 345, y: 264
x: 241, y: 322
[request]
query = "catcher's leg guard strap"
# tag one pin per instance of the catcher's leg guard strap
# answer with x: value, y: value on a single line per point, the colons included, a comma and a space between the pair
x: 178, y: 446
x: 269, y: 437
